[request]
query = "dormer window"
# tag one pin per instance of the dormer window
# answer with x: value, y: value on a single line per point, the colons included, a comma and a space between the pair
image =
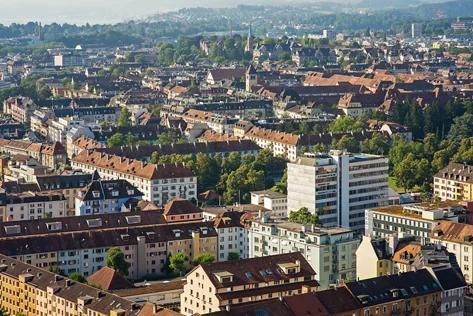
x: 115, y: 193
x: 130, y: 191
x: 177, y: 232
x: 224, y: 276
x: 96, y: 194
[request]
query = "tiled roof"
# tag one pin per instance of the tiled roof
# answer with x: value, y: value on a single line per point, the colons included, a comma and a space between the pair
x: 180, y: 206
x: 133, y: 167
x: 108, y: 279
x: 453, y: 232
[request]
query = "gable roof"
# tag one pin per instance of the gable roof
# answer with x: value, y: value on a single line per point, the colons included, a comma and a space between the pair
x: 179, y: 206
x: 109, y: 279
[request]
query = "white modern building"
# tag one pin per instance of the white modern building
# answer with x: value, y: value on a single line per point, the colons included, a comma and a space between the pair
x: 329, y: 251
x: 68, y: 60
x: 416, y: 30
x: 58, y: 129
x: 274, y: 201
x: 232, y: 235
x: 339, y: 186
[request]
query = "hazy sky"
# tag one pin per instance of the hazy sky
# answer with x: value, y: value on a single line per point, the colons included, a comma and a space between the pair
x: 101, y: 11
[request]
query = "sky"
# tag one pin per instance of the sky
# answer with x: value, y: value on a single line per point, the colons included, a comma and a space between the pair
x: 102, y: 11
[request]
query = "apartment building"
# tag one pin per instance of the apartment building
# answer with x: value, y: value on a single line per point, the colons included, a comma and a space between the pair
x: 81, y: 143
x: 68, y: 184
x: 457, y: 238
x: 274, y: 201
x: 220, y: 285
x: 412, y: 219
x: 158, y: 183
x: 373, y: 257
x: 81, y: 246
x: 20, y: 108
x: 35, y: 205
x: 338, y: 186
x: 105, y: 196
x: 58, y: 129
x: 29, y: 290
x: 232, y: 228
x: 410, y: 293
x: 329, y: 251
x: 454, y: 182
x: 218, y: 123
x: 181, y: 210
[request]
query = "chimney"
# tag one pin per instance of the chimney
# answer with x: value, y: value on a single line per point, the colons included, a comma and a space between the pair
x: 68, y: 282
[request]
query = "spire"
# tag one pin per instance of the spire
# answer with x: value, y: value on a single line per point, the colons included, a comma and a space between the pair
x: 250, y: 33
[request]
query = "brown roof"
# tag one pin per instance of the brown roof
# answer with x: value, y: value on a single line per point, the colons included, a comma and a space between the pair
x: 273, y: 135
x: 153, y: 288
x: 85, y: 142
x: 456, y: 171
x: 212, y: 136
x: 306, y: 304
x: 133, y: 167
x: 338, y: 300
x: 179, y: 206
x: 254, y: 266
x: 220, y: 74
x: 109, y: 279
x: 409, y: 249
x: 454, y: 232
x: 273, y: 307
x: 56, y: 149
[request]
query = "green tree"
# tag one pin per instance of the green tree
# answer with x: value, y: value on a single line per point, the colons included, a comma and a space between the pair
x: 405, y: 173
x: 303, y: 150
x: 233, y: 255
x: 177, y: 262
x: 4, y: 311
x: 304, y: 216
x: 116, y: 140
x: 203, y: 258
x: 348, y: 143
x: 167, y: 138
x: 124, y: 119
x: 345, y: 124
x: 56, y: 269
x: 116, y: 260
x: 130, y: 139
x: 320, y: 148
x: 461, y: 127
x: 378, y: 144
x: 76, y: 276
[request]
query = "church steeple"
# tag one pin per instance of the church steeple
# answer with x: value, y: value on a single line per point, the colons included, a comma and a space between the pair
x: 249, y: 41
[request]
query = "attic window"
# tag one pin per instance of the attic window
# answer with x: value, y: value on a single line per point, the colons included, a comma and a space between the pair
x: 96, y: 194
x: 16, y: 229
x: 115, y: 193
x: 135, y: 219
x: 151, y: 235
x: 130, y: 191
x: 413, y: 289
x: 224, y: 276
x: 249, y: 275
x: 177, y: 232
x: 96, y: 222
x: 404, y: 292
x: 125, y: 237
x: 54, y: 226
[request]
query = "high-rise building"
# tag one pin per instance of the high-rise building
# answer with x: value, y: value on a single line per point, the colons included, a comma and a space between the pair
x: 338, y: 186
x: 329, y: 34
x: 416, y: 30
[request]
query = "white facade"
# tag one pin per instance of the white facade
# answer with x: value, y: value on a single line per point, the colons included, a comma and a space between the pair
x: 338, y: 186
x: 274, y: 201
x: 330, y: 252
x: 36, y: 209
x: 232, y: 239
x: 68, y: 60
x: 57, y: 131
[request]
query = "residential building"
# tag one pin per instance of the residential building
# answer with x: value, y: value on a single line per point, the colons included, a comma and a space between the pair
x: 214, y: 286
x: 68, y: 184
x: 338, y: 186
x: 412, y: 219
x: 158, y: 183
x: 453, y: 287
x: 232, y: 228
x: 57, y: 130
x: 271, y: 200
x: 104, y: 196
x: 457, y: 239
x: 81, y: 245
x: 410, y: 293
x: 329, y: 34
x: 181, y: 210
x: 20, y: 108
x: 37, y: 205
x: 29, y: 290
x: 454, y: 182
x: 329, y: 251
x: 109, y: 279
x: 373, y: 257
x: 68, y: 60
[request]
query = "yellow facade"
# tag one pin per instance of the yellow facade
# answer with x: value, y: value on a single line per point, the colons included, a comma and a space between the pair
x: 384, y: 267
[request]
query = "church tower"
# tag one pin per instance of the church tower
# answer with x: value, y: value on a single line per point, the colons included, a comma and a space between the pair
x: 249, y: 41
x: 251, y: 78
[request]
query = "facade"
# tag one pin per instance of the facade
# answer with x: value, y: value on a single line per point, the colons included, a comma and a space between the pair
x: 416, y: 30
x: 274, y: 201
x: 57, y: 130
x: 232, y: 228
x: 215, y: 286
x: 457, y: 239
x: 454, y: 182
x: 329, y: 251
x: 411, y: 219
x: 31, y: 206
x: 338, y: 186
x: 68, y: 60
x: 29, y: 290
x: 158, y: 183
x: 104, y: 196
x: 373, y: 257
x: 81, y: 245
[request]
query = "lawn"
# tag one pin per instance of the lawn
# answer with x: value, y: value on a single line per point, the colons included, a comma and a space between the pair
x: 392, y: 185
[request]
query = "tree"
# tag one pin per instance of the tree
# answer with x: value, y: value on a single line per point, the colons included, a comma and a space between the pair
x: 405, y: 173
x: 304, y: 216
x: 233, y: 255
x: 303, y: 150
x: 177, y: 262
x: 461, y: 127
x: 56, y: 269
x: 347, y: 143
x: 203, y: 258
x: 116, y: 140
x: 76, y: 276
x: 116, y: 260
x: 345, y: 124
x: 130, y: 139
x: 167, y: 138
x: 320, y: 148
x: 378, y: 144
x: 124, y: 119
x: 4, y: 311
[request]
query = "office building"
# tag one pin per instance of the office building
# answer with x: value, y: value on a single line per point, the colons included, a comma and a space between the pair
x: 416, y: 30
x: 338, y: 186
